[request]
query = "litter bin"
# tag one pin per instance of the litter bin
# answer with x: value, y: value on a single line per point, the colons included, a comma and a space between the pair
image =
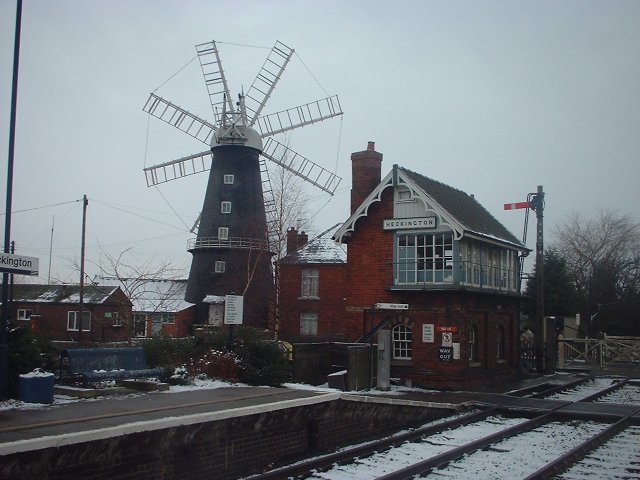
x: 36, y: 387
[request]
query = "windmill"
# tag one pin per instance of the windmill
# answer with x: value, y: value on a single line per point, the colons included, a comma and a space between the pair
x: 231, y: 251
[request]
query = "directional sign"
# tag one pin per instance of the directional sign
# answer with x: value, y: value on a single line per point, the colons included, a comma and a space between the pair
x: 392, y: 306
x: 10, y: 263
x: 233, y: 309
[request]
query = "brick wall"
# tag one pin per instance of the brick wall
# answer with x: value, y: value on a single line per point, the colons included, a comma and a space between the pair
x: 224, y: 449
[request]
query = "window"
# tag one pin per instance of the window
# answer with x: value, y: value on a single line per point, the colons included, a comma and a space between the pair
x: 228, y: 179
x: 164, y: 318
x: 310, y: 283
x: 114, y: 317
x: 404, y: 195
x: 500, y: 342
x: 309, y: 323
x: 72, y: 321
x: 225, y: 207
x: 219, y: 267
x: 424, y: 258
x: 139, y: 325
x: 223, y: 233
x: 401, y: 339
x: 473, y: 343
x: 24, y: 314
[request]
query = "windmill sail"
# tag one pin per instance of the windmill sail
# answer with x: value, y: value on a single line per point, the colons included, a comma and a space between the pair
x: 302, y: 167
x: 266, y: 80
x: 182, y: 167
x: 179, y: 118
x: 214, y: 78
x: 296, y: 117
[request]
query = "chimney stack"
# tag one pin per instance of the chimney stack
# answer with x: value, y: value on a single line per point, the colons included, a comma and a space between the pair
x: 366, y: 168
x: 295, y: 240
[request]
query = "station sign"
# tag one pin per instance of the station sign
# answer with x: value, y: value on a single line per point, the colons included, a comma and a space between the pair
x: 392, y: 306
x: 19, y: 264
x: 233, y: 309
x: 402, y: 223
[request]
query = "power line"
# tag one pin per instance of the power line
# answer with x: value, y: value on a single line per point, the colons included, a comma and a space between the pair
x: 43, y: 207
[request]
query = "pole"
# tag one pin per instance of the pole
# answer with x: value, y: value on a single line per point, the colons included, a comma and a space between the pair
x: 4, y: 348
x: 53, y: 222
x: 540, y: 341
x: 85, y: 202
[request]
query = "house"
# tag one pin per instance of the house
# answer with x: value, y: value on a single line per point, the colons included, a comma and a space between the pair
x: 54, y: 310
x: 158, y: 306
x: 428, y: 263
x: 311, y: 278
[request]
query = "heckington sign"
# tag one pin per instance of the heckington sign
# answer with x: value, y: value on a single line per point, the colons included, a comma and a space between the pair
x: 399, y: 223
x: 18, y: 264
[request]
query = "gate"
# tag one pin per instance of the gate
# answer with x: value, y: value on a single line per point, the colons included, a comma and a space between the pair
x: 607, y: 351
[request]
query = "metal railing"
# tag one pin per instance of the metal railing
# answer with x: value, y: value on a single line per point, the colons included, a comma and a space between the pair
x: 231, y: 242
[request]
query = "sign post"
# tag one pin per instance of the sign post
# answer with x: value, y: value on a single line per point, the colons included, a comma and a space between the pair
x: 233, y: 311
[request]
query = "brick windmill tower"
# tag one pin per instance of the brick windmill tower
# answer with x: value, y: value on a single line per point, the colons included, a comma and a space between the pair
x: 231, y: 253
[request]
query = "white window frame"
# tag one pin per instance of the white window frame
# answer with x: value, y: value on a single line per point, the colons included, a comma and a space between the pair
x: 401, y: 340
x: 223, y: 233
x: 72, y: 320
x: 225, y: 207
x: 424, y: 258
x: 228, y: 179
x: 310, y: 283
x: 309, y: 324
x: 219, y: 266
x: 403, y: 194
x: 115, y: 317
x: 24, y: 314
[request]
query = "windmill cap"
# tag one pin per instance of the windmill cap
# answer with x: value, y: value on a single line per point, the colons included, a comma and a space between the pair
x: 240, y: 135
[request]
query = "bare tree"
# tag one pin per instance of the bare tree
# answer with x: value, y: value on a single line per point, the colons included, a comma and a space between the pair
x: 290, y: 209
x: 603, y: 258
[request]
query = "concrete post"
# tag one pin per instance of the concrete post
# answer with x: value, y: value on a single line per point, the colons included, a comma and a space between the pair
x: 384, y: 360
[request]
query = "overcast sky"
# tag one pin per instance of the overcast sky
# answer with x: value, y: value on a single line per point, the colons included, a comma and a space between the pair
x: 493, y: 98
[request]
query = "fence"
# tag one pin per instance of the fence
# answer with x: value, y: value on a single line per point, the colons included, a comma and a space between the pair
x: 607, y: 351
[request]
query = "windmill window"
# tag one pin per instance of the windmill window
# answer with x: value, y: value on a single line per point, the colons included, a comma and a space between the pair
x: 309, y: 323
x: 220, y: 266
x: 73, y: 320
x: 228, y: 179
x: 223, y: 233
x: 310, y: 283
x: 225, y: 207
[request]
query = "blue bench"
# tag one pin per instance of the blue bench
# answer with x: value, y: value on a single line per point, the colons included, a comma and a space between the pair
x: 102, y: 364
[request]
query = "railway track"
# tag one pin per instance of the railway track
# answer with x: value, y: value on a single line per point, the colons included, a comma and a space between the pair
x: 496, y: 443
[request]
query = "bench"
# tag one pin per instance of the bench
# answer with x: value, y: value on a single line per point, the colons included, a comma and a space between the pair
x: 102, y: 364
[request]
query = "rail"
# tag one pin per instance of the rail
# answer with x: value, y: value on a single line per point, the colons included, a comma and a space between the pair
x: 231, y: 242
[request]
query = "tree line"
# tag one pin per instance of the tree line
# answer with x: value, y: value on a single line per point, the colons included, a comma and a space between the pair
x: 592, y: 268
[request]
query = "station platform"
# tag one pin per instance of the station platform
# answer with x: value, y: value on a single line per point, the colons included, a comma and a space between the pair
x: 39, y: 427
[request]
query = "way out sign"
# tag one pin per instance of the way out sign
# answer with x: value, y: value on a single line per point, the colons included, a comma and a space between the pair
x: 233, y: 306
x: 10, y: 263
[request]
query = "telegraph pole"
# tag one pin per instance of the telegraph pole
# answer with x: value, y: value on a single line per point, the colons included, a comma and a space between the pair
x: 85, y: 203
x: 4, y: 348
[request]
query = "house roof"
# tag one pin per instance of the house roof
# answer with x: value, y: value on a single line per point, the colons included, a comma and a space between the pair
x: 321, y: 250
x: 472, y: 216
x: 166, y: 296
x: 34, y: 293
x: 461, y: 211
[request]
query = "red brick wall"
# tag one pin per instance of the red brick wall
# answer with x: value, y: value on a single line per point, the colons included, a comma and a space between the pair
x: 51, y: 320
x: 224, y: 449
x: 329, y: 306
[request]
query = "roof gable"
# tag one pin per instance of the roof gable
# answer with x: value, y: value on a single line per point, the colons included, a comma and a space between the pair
x: 460, y: 211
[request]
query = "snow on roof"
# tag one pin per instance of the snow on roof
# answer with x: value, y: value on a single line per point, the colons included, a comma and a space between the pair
x: 34, y: 293
x: 322, y: 249
x: 152, y: 295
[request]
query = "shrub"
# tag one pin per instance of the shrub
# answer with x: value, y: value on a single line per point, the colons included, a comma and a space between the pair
x: 262, y: 364
x: 165, y: 351
x: 215, y: 364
